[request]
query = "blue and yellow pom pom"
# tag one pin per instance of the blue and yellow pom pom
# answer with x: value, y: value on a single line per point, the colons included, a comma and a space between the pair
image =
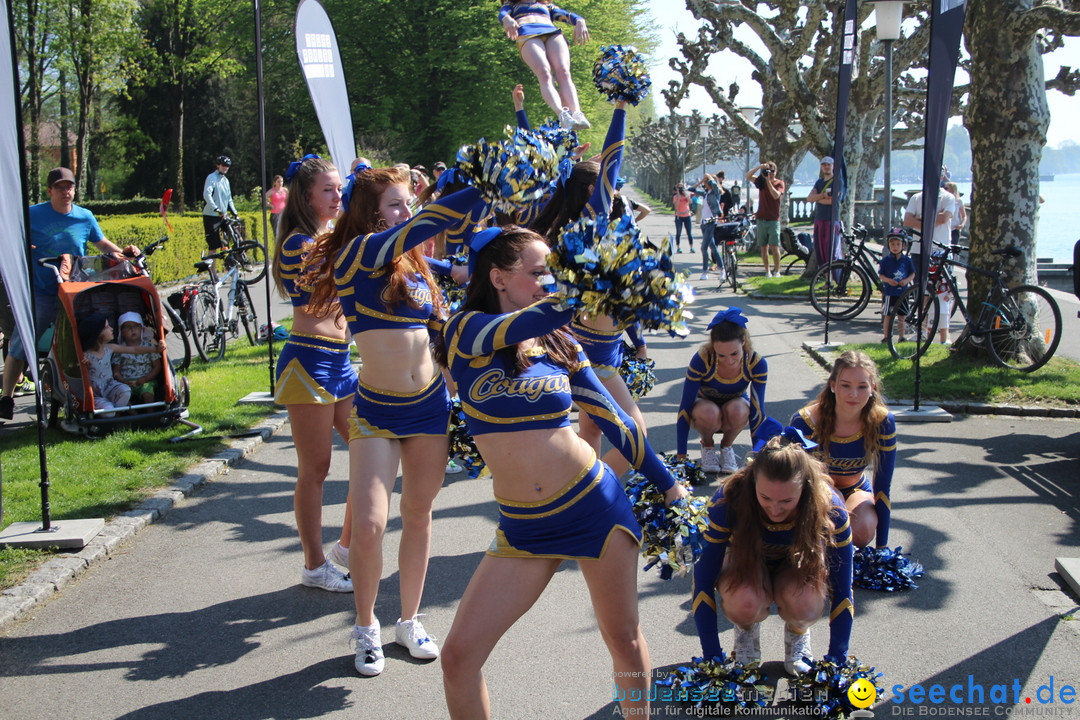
x: 672, y: 537
x: 827, y: 683
x: 620, y: 73
x: 718, y: 681
x: 513, y: 173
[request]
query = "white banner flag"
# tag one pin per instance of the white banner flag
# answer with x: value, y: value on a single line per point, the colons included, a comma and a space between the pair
x: 317, y: 49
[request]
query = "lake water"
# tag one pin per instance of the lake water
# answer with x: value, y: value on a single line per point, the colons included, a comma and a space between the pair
x: 1058, y: 227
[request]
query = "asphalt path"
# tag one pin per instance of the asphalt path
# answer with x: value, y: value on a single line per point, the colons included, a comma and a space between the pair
x: 202, y: 615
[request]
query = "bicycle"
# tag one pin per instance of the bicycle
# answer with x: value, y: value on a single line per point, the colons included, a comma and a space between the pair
x: 176, y: 339
x: 850, y: 282
x: 732, y: 234
x: 1020, y: 327
x: 252, y: 259
x: 209, y: 317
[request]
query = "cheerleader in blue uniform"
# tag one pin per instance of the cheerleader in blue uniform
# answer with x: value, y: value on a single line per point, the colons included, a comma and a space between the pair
x: 778, y: 533
x: 587, y: 193
x: 315, y: 378
x: 856, y: 436
x: 373, y: 263
x: 519, y: 372
x: 724, y: 392
x: 531, y: 24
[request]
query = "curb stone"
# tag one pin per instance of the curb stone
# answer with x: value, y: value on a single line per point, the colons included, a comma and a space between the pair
x: 825, y: 359
x: 19, y: 600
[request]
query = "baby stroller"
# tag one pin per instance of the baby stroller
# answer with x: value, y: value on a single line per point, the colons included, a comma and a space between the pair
x: 100, y: 284
x: 797, y: 249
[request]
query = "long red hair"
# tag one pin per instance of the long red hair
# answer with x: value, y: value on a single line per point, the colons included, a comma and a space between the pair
x: 361, y: 217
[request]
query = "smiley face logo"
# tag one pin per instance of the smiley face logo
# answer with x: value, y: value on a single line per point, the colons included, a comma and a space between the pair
x: 862, y: 693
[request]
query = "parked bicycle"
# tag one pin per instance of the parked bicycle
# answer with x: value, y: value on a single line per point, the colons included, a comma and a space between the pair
x: 212, y: 319
x: 176, y: 337
x: 842, y: 289
x: 1020, y: 327
x: 252, y: 258
x: 731, y: 236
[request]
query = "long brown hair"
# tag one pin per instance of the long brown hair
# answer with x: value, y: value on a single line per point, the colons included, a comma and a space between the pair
x: 568, y: 201
x: 361, y: 217
x: 872, y: 415
x: 504, y: 252
x: 726, y: 332
x: 298, y: 217
x: 781, y: 461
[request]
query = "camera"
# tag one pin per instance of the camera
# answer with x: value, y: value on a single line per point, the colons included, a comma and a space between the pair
x: 766, y: 171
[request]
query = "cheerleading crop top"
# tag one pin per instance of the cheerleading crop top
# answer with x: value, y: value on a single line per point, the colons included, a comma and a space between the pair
x: 361, y: 274
x: 776, y: 541
x: 540, y: 397
x: 846, y: 459
x: 290, y: 260
x: 552, y: 12
x: 703, y: 381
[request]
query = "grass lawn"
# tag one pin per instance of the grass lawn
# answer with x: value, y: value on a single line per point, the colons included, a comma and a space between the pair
x: 101, y: 478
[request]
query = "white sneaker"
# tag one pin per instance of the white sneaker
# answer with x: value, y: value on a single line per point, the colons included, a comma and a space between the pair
x: 566, y: 120
x: 369, y: 655
x: 748, y: 644
x: 326, y: 577
x: 797, y: 652
x: 340, y: 555
x: 411, y: 634
x: 709, y: 462
x: 452, y: 468
x: 580, y: 123
x: 768, y: 273
x: 704, y: 276
x: 729, y: 463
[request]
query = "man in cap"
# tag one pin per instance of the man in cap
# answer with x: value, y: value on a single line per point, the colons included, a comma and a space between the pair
x: 824, y: 229
x: 57, y: 227
x: 438, y: 169
x: 218, y: 196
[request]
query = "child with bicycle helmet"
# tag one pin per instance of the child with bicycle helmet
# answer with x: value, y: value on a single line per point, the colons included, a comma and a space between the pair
x: 896, y: 271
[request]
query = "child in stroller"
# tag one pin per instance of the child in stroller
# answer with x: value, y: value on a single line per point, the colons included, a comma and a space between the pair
x: 95, y: 336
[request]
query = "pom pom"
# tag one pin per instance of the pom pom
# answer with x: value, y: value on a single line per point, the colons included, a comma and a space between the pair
x: 827, y: 683
x: 620, y: 73
x: 884, y: 569
x: 462, y: 445
x: 719, y: 680
x: 638, y: 373
x: 564, y: 140
x: 605, y: 269
x: 453, y: 294
x: 672, y: 537
x: 513, y: 173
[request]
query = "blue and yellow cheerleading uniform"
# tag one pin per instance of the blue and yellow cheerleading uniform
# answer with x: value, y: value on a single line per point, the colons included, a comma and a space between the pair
x: 702, y: 381
x: 776, y: 540
x: 311, y: 369
x: 579, y: 519
x: 845, y: 458
x: 361, y: 276
x: 527, y: 31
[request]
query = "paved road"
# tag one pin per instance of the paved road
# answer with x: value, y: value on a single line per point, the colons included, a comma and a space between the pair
x: 202, y: 615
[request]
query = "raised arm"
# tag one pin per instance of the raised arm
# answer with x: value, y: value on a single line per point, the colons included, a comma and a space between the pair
x: 592, y: 397
x: 610, y: 162
x: 883, y: 473
x: 706, y: 573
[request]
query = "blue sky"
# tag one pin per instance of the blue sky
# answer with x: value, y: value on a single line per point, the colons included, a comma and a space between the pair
x: 671, y: 16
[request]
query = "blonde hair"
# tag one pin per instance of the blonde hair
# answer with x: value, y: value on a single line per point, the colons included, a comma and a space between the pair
x: 873, y: 413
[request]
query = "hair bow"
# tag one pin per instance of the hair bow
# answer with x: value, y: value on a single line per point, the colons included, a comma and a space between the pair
x: 478, y: 242
x: 770, y: 428
x: 449, y: 176
x: 731, y: 315
x: 294, y: 166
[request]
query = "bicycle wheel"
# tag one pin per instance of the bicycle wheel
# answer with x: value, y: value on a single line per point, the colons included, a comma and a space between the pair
x: 252, y: 257
x: 903, y: 338
x: 850, y: 290
x: 1026, y: 329
x: 207, y: 326
x: 731, y: 266
x: 178, y: 347
x: 246, y: 309
x: 797, y: 266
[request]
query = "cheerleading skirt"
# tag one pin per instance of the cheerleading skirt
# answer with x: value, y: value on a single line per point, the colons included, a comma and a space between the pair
x: 539, y: 31
x: 575, y: 524
x: 314, y: 370
x: 383, y: 414
x: 862, y: 484
x: 603, y: 348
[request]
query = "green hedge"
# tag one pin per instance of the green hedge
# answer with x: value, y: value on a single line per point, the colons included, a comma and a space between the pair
x: 187, y: 241
x: 131, y: 206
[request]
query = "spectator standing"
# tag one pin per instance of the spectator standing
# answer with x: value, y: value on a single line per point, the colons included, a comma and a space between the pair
x: 959, y: 220
x: 57, y: 227
x: 946, y: 208
x: 825, y: 230
x: 275, y: 200
x: 217, y: 194
x: 770, y: 190
x: 736, y: 196
x: 681, y: 202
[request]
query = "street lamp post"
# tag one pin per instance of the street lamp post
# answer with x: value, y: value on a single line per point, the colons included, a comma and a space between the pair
x: 887, y: 17
x: 703, y: 130
x: 749, y: 114
x: 681, y: 143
